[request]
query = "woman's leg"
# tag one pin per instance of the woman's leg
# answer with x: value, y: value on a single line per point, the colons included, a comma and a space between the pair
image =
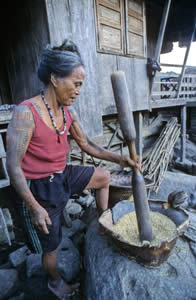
x: 100, y: 181
x: 49, y: 261
x: 58, y: 286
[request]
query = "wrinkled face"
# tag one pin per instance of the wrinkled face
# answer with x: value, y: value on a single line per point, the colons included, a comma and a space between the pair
x: 68, y: 88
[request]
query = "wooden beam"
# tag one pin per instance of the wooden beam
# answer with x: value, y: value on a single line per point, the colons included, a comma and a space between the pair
x: 168, y: 103
x: 183, y: 134
x: 181, y: 77
x: 161, y: 35
x: 126, y: 40
x: 138, y: 126
x: 174, y: 65
x: 162, y: 29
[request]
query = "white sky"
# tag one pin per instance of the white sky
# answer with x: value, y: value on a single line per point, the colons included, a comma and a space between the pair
x: 176, y: 56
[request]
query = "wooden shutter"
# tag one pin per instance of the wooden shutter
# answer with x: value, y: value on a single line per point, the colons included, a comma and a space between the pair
x: 135, y: 27
x: 110, y: 24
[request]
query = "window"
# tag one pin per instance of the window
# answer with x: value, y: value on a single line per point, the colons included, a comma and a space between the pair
x: 120, y: 26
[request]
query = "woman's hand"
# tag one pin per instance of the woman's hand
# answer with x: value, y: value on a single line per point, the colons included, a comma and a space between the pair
x: 126, y: 161
x: 41, y: 219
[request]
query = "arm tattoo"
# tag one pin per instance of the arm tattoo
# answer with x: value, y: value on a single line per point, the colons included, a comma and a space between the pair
x: 38, y: 109
x: 19, y: 133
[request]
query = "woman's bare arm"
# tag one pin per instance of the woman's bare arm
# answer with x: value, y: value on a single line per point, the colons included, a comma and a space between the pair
x: 91, y: 148
x: 19, y: 134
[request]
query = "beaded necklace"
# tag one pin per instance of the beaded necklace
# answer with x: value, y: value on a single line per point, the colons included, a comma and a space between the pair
x: 52, y: 118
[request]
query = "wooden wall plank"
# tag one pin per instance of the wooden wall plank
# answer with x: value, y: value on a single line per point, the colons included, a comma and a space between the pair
x: 135, y: 14
x: 106, y: 64
x: 136, y: 44
x: 135, y: 25
x: 83, y: 31
x: 111, y: 38
x: 108, y: 14
x: 114, y: 4
x: 137, y: 80
x: 24, y: 51
x: 136, y: 6
x: 135, y: 72
x: 59, y: 20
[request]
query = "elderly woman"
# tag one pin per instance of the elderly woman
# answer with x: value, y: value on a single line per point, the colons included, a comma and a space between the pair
x: 36, y: 157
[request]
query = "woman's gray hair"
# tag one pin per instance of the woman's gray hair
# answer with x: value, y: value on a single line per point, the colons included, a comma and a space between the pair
x: 60, y: 61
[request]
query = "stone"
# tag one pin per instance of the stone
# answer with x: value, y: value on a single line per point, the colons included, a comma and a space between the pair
x: 19, y: 297
x: 86, y: 201
x: 171, y: 183
x: 36, y: 288
x: 192, y: 201
x: 70, y: 202
x: 186, y: 167
x: 74, y: 210
x: 67, y: 221
x: 68, y: 260
x: 190, y: 150
x: 194, y: 169
x: 190, y: 233
x: 9, y: 282
x: 19, y: 256
x: 120, y: 209
x: 77, y: 226
x: 178, y: 199
x: 86, y: 192
x: 90, y: 200
x: 78, y: 241
x: 90, y: 213
x: 82, y: 200
x: 193, y: 248
x: 33, y: 265
x: 6, y: 265
x: 109, y: 275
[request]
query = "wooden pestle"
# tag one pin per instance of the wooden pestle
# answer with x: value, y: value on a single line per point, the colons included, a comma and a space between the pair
x: 127, y: 125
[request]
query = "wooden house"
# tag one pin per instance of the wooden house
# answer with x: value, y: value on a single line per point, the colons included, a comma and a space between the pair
x: 111, y: 35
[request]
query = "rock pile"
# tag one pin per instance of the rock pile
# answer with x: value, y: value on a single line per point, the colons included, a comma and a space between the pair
x: 21, y: 274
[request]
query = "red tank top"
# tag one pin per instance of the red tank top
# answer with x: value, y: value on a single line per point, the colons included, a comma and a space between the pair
x: 46, y: 153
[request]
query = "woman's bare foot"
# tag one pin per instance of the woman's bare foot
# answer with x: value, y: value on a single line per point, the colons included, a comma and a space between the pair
x: 61, y: 289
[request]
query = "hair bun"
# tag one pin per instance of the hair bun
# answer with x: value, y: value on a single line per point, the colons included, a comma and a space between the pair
x: 67, y: 45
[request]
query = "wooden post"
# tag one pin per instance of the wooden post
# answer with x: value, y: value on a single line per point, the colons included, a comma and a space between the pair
x: 161, y: 36
x: 68, y: 156
x: 162, y: 29
x: 185, y: 60
x: 138, y: 127
x: 83, y: 158
x: 183, y: 134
